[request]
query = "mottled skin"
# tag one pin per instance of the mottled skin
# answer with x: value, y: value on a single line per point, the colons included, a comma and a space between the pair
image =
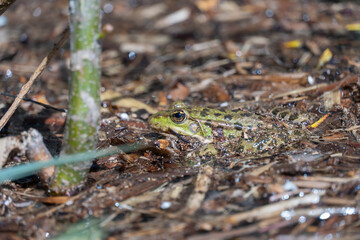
x: 233, y: 130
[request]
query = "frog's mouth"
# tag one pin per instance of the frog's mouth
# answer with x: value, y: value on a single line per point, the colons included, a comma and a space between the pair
x: 180, y: 136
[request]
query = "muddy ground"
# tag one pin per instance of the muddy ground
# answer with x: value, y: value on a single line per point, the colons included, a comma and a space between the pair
x: 300, y: 56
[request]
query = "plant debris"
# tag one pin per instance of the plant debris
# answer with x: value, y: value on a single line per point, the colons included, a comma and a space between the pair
x: 266, y: 57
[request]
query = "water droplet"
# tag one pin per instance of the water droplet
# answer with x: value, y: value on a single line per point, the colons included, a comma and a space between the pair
x: 124, y: 116
x: 224, y: 104
x: 305, y: 17
x: 37, y: 12
x: 24, y: 38
x: 132, y: 55
x: 301, y: 194
x: 8, y: 74
x: 329, y: 236
x: 269, y: 13
x: 287, y: 214
x: 188, y: 47
x: 165, y: 205
x: 3, y: 21
x: 311, y: 80
x: 325, y: 215
x: 198, y: 163
x: 285, y: 197
x: 123, y: 206
x: 302, y: 219
x: 349, y: 211
x: 108, y: 8
x: 8, y: 201
x: 290, y: 186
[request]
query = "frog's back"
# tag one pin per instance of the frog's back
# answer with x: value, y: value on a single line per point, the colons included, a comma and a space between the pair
x: 236, y: 117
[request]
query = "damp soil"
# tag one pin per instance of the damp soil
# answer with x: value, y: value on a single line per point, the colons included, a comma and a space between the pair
x: 299, y: 56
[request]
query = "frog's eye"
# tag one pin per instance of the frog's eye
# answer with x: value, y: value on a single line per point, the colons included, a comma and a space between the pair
x: 178, y: 116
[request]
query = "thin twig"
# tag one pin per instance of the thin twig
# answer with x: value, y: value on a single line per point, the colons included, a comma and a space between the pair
x: 25, y: 89
x: 4, y: 5
x: 36, y: 102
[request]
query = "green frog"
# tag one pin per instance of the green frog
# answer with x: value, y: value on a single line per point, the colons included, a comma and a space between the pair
x: 228, y: 130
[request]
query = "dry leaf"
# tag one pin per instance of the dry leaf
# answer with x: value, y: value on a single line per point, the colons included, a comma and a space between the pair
x: 162, y: 98
x: 216, y: 93
x: 173, y: 18
x: 293, y: 44
x: 133, y: 103
x: 40, y: 97
x: 353, y: 27
x: 207, y: 5
x: 324, y: 58
x: 55, y: 200
x: 179, y: 93
x: 109, y: 95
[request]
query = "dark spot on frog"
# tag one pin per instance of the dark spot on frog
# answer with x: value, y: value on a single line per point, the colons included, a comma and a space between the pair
x: 236, y: 110
x: 217, y: 114
x: 293, y: 116
x: 245, y: 114
x: 222, y: 110
x: 283, y: 114
x: 297, y: 132
x: 238, y: 126
x: 228, y: 117
x: 208, y: 122
x: 204, y: 112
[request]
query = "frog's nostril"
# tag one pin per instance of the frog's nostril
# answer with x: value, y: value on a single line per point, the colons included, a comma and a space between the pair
x: 153, y: 120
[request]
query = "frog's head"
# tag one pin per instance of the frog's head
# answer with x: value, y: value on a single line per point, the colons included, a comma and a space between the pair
x: 175, y: 120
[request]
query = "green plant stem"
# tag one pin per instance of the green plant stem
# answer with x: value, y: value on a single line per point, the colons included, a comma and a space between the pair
x: 84, y: 100
x: 24, y: 170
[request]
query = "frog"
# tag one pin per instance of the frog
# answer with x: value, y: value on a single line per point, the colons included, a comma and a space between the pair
x: 233, y: 130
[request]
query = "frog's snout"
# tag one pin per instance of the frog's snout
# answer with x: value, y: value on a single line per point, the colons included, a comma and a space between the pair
x: 153, y: 121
